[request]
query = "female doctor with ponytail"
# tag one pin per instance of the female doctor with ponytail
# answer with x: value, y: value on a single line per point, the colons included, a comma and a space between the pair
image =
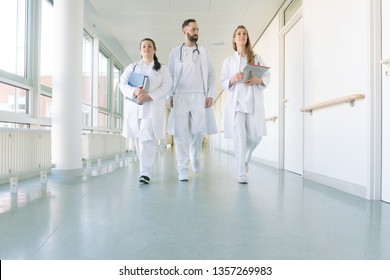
x: 244, y: 113
x: 144, y: 109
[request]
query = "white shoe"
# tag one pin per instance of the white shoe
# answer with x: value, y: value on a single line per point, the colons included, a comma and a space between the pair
x: 183, y: 177
x: 196, y: 166
x: 243, y: 180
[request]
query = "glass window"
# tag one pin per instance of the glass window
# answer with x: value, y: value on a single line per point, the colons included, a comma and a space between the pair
x: 103, y: 81
x: 13, y: 31
x: 45, y: 106
x: 13, y: 99
x: 117, y: 108
x: 102, y: 100
x: 47, y: 46
x: 87, y: 80
x: 291, y: 10
x: 117, y: 123
x: 103, y: 119
x: 87, y: 68
x: 87, y: 115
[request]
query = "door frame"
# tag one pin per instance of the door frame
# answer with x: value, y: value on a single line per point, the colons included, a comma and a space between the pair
x: 284, y: 29
x: 375, y: 115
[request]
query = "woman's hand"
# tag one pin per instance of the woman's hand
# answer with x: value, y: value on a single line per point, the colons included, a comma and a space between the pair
x: 142, y: 96
x: 238, y: 77
x: 253, y: 80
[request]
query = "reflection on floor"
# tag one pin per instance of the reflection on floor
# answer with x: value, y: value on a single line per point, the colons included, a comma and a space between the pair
x: 109, y: 215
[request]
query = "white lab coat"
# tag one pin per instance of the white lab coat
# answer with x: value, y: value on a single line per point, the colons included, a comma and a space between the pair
x: 230, y: 67
x: 159, y: 87
x: 208, y: 77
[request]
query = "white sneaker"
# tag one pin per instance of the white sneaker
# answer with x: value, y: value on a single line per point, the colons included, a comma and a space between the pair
x: 196, y: 166
x: 183, y: 177
x: 243, y: 180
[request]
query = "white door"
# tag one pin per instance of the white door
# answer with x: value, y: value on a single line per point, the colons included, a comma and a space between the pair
x: 386, y: 101
x: 293, y: 102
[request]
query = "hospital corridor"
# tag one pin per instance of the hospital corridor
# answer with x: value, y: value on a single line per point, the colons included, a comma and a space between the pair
x: 81, y: 81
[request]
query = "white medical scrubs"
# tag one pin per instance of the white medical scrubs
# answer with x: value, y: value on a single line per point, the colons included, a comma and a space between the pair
x: 144, y: 124
x: 193, y: 80
x: 244, y: 113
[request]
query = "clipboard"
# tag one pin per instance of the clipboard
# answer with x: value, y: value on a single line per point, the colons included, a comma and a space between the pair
x: 257, y: 70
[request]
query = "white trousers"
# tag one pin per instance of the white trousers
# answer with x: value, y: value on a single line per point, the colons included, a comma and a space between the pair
x: 245, y: 140
x: 196, y: 146
x: 146, y: 147
x: 189, y: 123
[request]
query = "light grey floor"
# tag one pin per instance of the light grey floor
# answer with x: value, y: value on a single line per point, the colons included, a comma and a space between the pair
x: 278, y: 215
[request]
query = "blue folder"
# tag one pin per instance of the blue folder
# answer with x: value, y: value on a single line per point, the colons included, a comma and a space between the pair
x: 139, y: 80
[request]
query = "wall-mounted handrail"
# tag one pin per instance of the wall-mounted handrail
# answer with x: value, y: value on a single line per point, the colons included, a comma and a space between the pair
x: 271, y: 118
x: 345, y: 99
x: 385, y: 61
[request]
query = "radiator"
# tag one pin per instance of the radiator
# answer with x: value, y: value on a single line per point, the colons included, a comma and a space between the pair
x: 24, y: 153
x: 102, y: 146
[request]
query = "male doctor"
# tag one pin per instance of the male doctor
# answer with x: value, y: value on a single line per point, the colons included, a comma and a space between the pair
x: 192, y: 94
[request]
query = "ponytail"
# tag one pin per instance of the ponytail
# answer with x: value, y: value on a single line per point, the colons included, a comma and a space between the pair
x: 157, y: 64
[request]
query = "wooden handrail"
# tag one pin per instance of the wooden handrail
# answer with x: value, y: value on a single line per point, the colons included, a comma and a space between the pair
x: 345, y: 99
x: 272, y: 118
x: 385, y: 61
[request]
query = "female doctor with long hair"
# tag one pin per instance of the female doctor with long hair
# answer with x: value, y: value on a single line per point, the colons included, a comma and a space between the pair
x: 144, y: 109
x: 244, y: 113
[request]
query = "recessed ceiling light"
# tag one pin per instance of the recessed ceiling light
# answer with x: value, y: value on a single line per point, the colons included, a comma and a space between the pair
x: 218, y: 43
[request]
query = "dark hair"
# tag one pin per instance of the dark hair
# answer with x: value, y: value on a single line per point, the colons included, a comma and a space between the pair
x: 187, y: 22
x: 157, y: 64
x: 250, y: 56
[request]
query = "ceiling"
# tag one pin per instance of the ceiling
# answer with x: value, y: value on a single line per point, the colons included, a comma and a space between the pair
x: 132, y: 20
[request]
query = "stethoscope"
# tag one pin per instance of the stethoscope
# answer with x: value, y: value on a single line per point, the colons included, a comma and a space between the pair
x: 181, y: 52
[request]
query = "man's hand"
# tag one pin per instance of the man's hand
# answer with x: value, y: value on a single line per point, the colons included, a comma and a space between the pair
x: 209, y: 102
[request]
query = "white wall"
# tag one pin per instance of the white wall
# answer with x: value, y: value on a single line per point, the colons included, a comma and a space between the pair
x: 385, y: 178
x: 336, y: 43
x: 268, y: 48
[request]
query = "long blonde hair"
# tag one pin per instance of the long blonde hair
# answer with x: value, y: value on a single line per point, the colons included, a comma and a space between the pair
x: 250, y: 55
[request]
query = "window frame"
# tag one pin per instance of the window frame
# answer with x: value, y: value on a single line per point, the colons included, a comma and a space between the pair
x: 33, y: 115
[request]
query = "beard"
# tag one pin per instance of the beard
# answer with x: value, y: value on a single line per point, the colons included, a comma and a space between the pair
x: 192, y: 39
